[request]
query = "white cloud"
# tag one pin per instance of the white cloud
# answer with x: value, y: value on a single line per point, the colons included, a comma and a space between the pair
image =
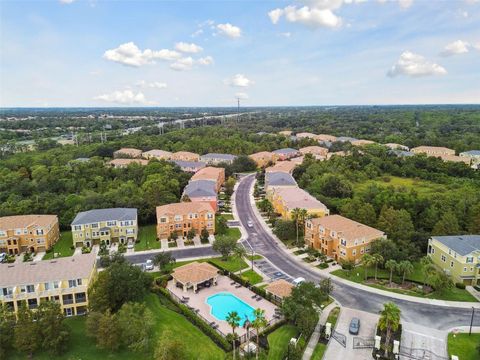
x: 415, y: 65
x: 182, y: 64
x: 207, y: 60
x: 66, y: 1
x: 229, y: 30
x: 241, y: 95
x: 286, y: 34
x: 275, y: 15
x: 239, y: 80
x: 125, y: 97
x: 129, y: 54
x: 405, y: 4
x: 197, y: 33
x: 188, y: 48
x: 152, y: 85
x: 456, y: 47
x: 319, y: 13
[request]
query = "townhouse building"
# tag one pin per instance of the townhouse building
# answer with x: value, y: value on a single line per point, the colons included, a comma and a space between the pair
x: 306, y: 135
x: 318, y: 152
x: 33, y: 233
x: 325, y: 138
x: 278, y: 179
x: 215, y: 159
x: 211, y: 173
x: 286, y: 153
x: 432, y: 150
x: 63, y: 280
x: 185, y: 156
x: 282, y: 166
x: 340, y: 238
x: 362, y: 142
x: 458, y: 256
x: 286, y: 133
x: 285, y: 199
x: 127, y: 153
x: 394, y: 146
x: 182, y: 217
x: 157, y: 154
x: 201, y: 191
x: 123, y: 163
x: 474, y: 155
x: 190, y: 166
x: 113, y: 225
x: 263, y: 158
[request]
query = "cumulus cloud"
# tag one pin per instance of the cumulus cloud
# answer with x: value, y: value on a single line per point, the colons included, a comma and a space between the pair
x: 188, y: 48
x: 66, y: 1
x: 182, y: 64
x: 405, y: 4
x: 415, y: 65
x: 129, y: 54
x: 275, y: 15
x: 239, y: 80
x: 316, y: 14
x: 125, y: 97
x: 152, y: 85
x: 456, y: 47
x: 241, y: 95
x: 207, y: 60
x: 229, y: 30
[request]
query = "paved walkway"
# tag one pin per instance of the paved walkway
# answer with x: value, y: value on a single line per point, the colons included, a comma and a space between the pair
x: 312, y: 343
x: 474, y: 292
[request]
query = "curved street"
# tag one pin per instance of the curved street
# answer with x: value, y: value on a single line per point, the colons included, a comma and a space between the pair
x: 427, y: 315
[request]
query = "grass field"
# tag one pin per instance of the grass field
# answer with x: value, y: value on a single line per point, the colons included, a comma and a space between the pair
x: 278, y: 341
x: 254, y: 257
x: 333, y: 316
x: 358, y: 275
x: 147, y: 236
x: 420, y: 186
x: 319, y: 351
x: 252, y: 277
x: 197, y: 344
x: 63, y: 246
x: 464, y: 346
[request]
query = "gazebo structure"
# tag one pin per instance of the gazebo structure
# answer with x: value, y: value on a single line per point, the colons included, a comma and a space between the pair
x: 195, y: 274
x: 279, y: 289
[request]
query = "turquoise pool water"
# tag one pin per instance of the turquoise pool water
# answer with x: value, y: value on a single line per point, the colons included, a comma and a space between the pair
x: 223, y: 303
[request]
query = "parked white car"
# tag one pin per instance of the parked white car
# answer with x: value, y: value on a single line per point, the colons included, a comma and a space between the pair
x: 250, y: 223
x: 298, y: 281
x: 3, y: 257
x: 149, y: 265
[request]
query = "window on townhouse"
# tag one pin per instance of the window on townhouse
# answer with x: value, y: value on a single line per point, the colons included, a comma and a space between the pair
x: 163, y: 220
x: 354, y: 252
x: 443, y: 258
x: 464, y: 269
x: 343, y: 242
x: 178, y: 217
x: 94, y: 226
x: 209, y: 216
x: 77, y: 227
x: 79, y: 282
x: 111, y: 223
x: 3, y: 233
x: 469, y: 259
x: 362, y: 250
x: 18, y: 232
x: 72, y: 283
x: 40, y: 232
x: 451, y: 264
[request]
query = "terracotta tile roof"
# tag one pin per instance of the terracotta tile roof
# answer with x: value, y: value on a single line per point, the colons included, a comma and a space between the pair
x: 362, y: 142
x: 294, y: 197
x: 24, y: 221
x: 68, y: 268
x: 162, y: 154
x: 262, y: 154
x: 126, y: 162
x: 455, y: 158
x: 297, y: 160
x: 282, y: 166
x: 348, y: 229
x: 195, y: 272
x: 209, y: 173
x: 315, y: 150
x: 183, y: 208
x: 306, y: 135
x: 129, y: 151
x: 326, y: 137
x: 433, y: 150
x: 280, y: 288
x: 179, y: 155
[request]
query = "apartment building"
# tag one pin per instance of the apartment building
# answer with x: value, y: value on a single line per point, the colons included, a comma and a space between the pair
x: 190, y: 166
x: 285, y: 133
x: 211, y: 173
x: 127, y: 153
x: 181, y: 217
x: 110, y: 225
x: 306, y: 135
x: 157, y: 154
x: 473, y: 155
x: 63, y: 280
x: 432, y: 151
x: 458, y: 256
x: 286, y: 153
x: 33, y: 233
x: 185, y: 156
x: 317, y: 151
x: 123, y: 163
x: 278, y: 179
x: 201, y: 191
x: 394, y: 146
x: 325, y: 138
x: 340, y: 238
x: 215, y: 159
x: 285, y: 199
x: 282, y: 166
x: 362, y: 142
x: 263, y: 158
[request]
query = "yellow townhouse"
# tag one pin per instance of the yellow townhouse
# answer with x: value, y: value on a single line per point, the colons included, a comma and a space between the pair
x: 63, y: 280
x: 286, y: 198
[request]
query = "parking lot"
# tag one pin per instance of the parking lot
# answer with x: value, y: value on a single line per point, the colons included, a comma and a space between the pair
x: 368, y: 322
x: 270, y: 271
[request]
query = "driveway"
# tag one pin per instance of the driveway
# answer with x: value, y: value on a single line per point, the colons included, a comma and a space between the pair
x: 368, y: 322
x: 420, y: 341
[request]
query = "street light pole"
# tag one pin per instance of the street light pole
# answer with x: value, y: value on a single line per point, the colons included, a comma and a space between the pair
x: 471, y: 321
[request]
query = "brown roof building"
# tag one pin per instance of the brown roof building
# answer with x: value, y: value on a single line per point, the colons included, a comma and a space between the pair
x: 157, y: 154
x: 282, y: 166
x: 340, y: 238
x: 263, y: 158
x: 211, y: 173
x: 127, y: 153
x: 185, y: 156
x: 123, y: 163
x: 315, y: 151
x: 432, y: 150
x: 193, y: 274
x: 362, y: 142
x: 280, y: 289
x: 32, y: 233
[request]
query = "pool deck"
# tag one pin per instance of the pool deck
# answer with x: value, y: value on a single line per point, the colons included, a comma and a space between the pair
x: 199, y: 301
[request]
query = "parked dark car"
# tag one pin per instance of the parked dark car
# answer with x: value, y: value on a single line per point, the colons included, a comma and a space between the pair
x: 354, y: 327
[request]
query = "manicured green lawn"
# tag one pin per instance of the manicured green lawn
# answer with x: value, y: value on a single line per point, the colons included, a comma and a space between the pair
x: 197, y: 344
x: 232, y: 233
x: 278, y: 341
x: 147, y: 236
x: 227, y: 216
x: 63, y: 246
x: 333, y: 316
x: 254, y: 257
x: 232, y: 264
x: 252, y: 277
x: 453, y: 294
x: 464, y: 346
x: 319, y: 351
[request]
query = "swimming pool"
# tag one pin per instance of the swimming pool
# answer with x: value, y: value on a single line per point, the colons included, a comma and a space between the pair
x: 224, y: 302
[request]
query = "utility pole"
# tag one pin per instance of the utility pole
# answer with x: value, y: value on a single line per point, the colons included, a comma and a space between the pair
x: 471, y: 321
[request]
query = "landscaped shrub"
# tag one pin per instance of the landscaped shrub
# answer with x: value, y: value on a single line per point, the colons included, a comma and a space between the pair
x: 347, y: 265
x: 460, y: 285
x: 323, y: 266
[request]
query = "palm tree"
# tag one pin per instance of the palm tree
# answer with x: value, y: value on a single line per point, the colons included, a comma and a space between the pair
x: 259, y: 323
x: 426, y: 263
x: 389, y: 322
x: 367, y: 261
x: 392, y: 266
x: 303, y: 213
x: 233, y: 320
x: 407, y: 268
x: 296, y: 218
x: 377, y: 259
x: 239, y: 252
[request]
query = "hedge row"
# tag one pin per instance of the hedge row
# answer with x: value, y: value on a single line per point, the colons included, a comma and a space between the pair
x: 195, y: 320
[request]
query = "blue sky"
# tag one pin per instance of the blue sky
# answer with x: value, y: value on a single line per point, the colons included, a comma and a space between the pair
x: 200, y: 53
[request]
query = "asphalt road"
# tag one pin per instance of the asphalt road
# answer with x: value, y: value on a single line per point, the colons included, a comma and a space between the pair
x: 178, y: 254
x: 432, y: 316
